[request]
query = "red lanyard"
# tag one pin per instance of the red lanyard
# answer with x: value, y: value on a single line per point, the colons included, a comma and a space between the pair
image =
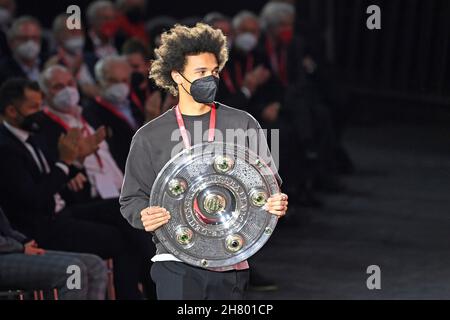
x: 228, y: 82
x: 279, y: 64
x: 238, y: 72
x: 248, y: 68
x: 108, y: 106
x: 136, y: 101
x: 63, y: 124
x: 212, y: 126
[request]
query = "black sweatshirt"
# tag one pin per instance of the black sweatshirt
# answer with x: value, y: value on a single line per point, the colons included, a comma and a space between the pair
x: 153, y: 146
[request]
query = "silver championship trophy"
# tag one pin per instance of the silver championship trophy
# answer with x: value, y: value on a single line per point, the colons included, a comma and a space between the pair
x: 215, y: 193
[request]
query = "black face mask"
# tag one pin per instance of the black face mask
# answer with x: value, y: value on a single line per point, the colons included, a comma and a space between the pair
x: 135, y: 14
x: 203, y: 90
x: 33, y: 122
x: 137, y: 79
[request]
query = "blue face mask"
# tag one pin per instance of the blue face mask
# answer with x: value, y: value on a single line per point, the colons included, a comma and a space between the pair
x: 203, y: 90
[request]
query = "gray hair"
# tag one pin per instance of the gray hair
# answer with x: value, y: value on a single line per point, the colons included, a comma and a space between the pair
x: 17, y: 23
x: 274, y: 12
x: 241, y: 16
x: 102, y: 65
x: 94, y: 7
x: 47, y: 74
x: 59, y: 24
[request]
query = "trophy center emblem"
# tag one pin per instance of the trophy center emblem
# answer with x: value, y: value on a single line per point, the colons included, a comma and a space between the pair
x: 214, y: 203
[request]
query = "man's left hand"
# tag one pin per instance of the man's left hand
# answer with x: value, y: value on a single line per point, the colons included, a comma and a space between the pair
x: 277, y: 204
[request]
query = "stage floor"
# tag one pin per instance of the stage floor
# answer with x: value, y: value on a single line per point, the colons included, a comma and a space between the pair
x: 396, y: 215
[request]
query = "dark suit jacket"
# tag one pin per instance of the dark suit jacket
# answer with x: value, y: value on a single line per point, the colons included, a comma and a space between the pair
x: 119, y: 133
x: 48, y: 136
x: 9, y: 68
x: 26, y: 194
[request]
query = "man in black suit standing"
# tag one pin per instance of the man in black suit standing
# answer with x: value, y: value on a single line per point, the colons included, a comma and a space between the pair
x: 114, y: 108
x: 31, y: 185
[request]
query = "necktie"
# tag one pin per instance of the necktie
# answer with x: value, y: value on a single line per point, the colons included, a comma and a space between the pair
x: 32, y: 141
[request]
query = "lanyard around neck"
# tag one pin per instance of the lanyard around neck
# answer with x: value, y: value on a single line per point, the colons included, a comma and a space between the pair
x: 212, y: 126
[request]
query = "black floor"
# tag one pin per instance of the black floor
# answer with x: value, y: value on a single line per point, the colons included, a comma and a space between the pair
x: 396, y: 215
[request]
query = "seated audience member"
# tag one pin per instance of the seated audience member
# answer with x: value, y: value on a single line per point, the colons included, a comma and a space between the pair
x: 31, y: 185
x: 114, y: 108
x: 69, y: 53
x: 26, y: 266
x: 7, y: 12
x: 309, y: 120
x: 245, y: 73
x: 104, y: 178
x: 101, y: 16
x: 24, y: 40
x: 130, y: 20
x: 144, y: 92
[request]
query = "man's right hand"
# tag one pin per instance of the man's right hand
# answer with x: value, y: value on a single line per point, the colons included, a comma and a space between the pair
x: 68, y: 146
x: 154, y: 217
x: 90, y: 144
x: 31, y: 249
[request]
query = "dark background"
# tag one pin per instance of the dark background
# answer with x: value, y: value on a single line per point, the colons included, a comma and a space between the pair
x: 403, y: 65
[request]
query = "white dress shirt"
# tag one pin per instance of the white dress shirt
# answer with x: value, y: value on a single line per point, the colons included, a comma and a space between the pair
x: 106, y: 179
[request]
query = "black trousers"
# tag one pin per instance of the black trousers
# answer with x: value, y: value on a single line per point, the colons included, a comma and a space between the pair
x: 180, y: 281
x: 99, y: 228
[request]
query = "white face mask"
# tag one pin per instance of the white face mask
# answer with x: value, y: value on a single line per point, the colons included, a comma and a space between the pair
x: 117, y: 93
x: 66, y: 100
x: 5, y: 17
x: 74, y: 45
x: 246, y: 41
x: 28, y: 50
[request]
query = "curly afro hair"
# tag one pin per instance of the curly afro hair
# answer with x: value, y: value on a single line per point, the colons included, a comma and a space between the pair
x: 182, y: 41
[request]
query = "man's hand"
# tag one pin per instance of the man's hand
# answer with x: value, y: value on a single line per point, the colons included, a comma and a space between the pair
x: 90, y: 144
x: 68, y: 145
x: 277, y: 204
x: 271, y: 111
x: 256, y: 78
x: 77, y: 183
x: 31, y: 248
x: 154, y: 217
x: 262, y: 74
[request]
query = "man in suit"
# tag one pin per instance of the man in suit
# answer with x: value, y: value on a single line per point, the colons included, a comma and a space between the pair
x: 24, y: 265
x: 7, y: 12
x: 113, y: 108
x: 31, y: 185
x: 69, y: 53
x: 64, y: 112
x: 24, y: 39
x: 101, y: 16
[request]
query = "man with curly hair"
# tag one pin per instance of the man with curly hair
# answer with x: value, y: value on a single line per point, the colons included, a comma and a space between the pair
x: 187, y: 64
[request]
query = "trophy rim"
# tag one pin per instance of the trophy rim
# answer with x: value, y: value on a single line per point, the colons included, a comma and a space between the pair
x: 264, y: 234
